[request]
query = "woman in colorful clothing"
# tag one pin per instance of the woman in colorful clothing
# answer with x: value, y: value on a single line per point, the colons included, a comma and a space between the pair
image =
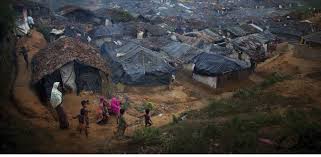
x: 115, y: 106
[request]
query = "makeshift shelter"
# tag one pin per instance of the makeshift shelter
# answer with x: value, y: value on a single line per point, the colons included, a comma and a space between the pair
x: 180, y: 52
x: 34, y: 9
x: 115, y: 15
x: 154, y: 43
x: 75, y: 31
x: 102, y: 34
x: 235, y: 31
x: 216, y: 49
x: 206, y: 35
x: 133, y: 64
x: 200, y: 38
x: 216, y: 70
x: 151, y: 30
x: 77, y: 14
x: 292, y: 30
x: 75, y: 64
x: 258, y: 46
x: 313, y: 39
x: 114, y: 30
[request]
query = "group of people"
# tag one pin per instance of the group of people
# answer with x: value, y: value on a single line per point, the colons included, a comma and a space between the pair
x: 104, y: 110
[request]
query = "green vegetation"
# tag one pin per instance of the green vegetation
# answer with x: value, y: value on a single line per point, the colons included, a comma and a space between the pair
x: 238, y: 125
x: 144, y: 106
x: 121, y: 16
x: 147, y: 136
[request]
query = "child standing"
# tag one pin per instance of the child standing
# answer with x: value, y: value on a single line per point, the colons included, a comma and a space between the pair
x: 122, y: 124
x: 148, y: 120
x: 83, y: 118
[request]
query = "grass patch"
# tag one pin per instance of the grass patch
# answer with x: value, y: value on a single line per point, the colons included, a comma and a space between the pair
x: 144, y: 106
x: 189, y: 138
x: 273, y: 79
x: 297, y: 133
x: 147, y: 136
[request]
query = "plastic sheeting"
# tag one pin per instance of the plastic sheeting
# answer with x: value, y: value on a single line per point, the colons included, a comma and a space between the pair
x: 68, y: 76
x: 114, y: 30
x: 137, y: 65
x: 217, y: 65
x: 180, y: 51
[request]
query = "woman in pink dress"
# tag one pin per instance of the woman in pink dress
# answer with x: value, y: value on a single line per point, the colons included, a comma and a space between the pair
x: 115, y: 106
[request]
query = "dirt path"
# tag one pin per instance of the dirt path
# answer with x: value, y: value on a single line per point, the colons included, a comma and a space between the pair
x: 26, y: 100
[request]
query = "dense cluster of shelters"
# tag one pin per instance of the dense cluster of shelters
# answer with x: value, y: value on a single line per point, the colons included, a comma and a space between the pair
x: 146, y: 43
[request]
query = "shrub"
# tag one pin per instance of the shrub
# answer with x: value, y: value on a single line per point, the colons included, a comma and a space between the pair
x: 146, y: 105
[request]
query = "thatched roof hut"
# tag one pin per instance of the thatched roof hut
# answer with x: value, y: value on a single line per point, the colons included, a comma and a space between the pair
x: 63, y: 51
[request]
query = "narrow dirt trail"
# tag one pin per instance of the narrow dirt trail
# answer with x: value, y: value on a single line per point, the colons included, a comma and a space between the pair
x: 25, y: 99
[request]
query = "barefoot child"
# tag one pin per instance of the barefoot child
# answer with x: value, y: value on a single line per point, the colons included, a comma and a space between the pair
x: 122, y: 124
x: 148, y: 120
x: 83, y: 118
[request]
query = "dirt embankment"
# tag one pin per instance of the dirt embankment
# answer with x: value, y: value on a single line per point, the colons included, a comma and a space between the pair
x: 305, y: 75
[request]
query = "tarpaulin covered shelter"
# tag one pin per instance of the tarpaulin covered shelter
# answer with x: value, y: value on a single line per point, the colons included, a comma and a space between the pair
x: 114, y: 30
x: 216, y: 49
x: 216, y: 70
x: 153, y: 30
x: 133, y: 64
x: 70, y: 62
x: 235, y: 31
x: 102, y: 34
x: 181, y: 52
x: 77, y: 14
x: 155, y: 43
